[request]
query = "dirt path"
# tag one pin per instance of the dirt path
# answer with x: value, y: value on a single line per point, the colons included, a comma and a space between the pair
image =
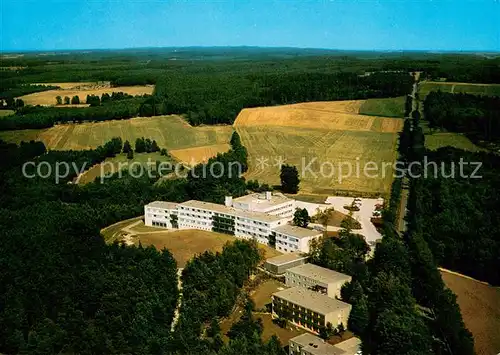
x: 179, y: 300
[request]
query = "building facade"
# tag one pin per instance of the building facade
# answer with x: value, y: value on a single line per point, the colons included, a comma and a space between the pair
x: 213, y: 217
x: 161, y: 214
x: 275, y: 204
x: 308, y: 309
x: 290, y: 239
x: 279, y: 264
x: 316, y: 278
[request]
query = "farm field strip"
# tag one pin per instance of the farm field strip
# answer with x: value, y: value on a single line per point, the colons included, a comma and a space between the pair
x: 197, y: 155
x: 307, y: 116
x: 453, y: 87
x: 170, y: 132
x: 296, y: 146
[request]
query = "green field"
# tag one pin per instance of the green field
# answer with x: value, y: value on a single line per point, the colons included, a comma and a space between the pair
x: 388, y: 107
x: 476, y: 89
x: 449, y: 139
x: 6, y: 112
x: 171, y: 132
x: 327, y: 147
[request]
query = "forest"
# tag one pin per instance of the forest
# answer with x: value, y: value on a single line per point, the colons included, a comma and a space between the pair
x: 218, y: 97
x: 211, y: 85
x: 476, y: 116
x: 63, y: 289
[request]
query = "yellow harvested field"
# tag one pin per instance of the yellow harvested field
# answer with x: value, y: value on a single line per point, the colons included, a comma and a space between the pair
x: 48, y: 98
x: 323, y: 140
x: 321, y: 156
x: 480, y: 307
x: 193, y: 156
x: 339, y: 115
x: 170, y: 132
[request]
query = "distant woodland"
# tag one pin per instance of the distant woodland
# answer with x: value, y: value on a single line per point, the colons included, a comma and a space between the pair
x: 211, y: 86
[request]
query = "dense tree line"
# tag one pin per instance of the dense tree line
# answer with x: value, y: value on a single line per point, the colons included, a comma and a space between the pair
x: 42, y: 117
x: 221, y: 175
x: 219, y: 97
x: 9, y: 93
x: 476, y: 116
x: 460, y: 217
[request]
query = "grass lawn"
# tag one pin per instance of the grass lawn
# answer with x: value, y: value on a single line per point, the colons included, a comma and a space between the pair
x: 6, y: 112
x: 388, y: 107
x: 109, y: 232
x: 449, y: 139
x: 470, y: 88
x: 185, y: 244
x: 113, y: 165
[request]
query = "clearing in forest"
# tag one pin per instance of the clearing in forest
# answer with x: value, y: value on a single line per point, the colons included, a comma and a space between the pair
x: 48, y: 98
x: 452, y: 87
x: 387, y: 107
x: 170, y: 132
x: 183, y: 244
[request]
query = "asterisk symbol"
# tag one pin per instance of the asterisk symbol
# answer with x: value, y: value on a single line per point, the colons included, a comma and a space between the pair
x: 279, y: 161
x: 262, y: 163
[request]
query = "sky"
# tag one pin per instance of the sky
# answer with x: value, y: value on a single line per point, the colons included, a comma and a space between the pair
x: 347, y: 24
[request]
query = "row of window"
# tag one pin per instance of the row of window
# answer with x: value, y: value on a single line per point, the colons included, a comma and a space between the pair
x: 159, y: 224
x: 296, y: 309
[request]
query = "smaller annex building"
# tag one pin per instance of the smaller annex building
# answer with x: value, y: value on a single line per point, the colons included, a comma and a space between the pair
x: 308, y: 309
x: 308, y: 344
x: 292, y: 238
x: 316, y: 278
x: 279, y: 264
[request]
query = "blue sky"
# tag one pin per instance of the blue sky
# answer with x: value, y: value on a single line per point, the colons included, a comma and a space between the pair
x: 354, y: 24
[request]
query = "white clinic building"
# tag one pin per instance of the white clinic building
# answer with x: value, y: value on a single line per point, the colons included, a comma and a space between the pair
x: 275, y: 204
x: 242, y: 217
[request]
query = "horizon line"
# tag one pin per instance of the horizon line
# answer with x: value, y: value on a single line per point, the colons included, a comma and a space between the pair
x: 469, y: 51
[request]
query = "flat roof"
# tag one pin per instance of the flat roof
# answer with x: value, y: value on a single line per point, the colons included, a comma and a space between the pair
x: 350, y: 346
x: 297, y: 232
x: 314, y: 301
x: 316, y: 346
x: 259, y: 200
x: 285, y: 258
x: 209, y: 206
x: 319, y: 273
x: 162, y: 204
